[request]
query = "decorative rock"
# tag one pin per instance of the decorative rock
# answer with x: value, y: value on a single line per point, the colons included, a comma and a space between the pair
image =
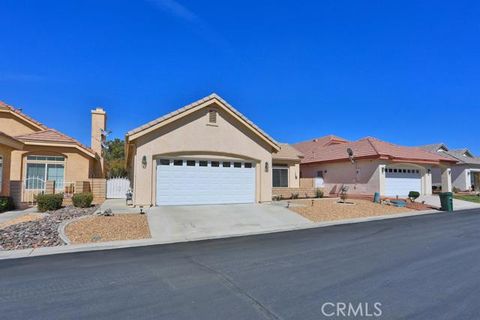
x: 40, y: 233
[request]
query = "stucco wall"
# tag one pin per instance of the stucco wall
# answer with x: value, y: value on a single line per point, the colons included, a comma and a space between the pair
x: 363, y: 177
x: 335, y: 175
x: 14, y: 126
x: 293, y: 172
x: 5, y: 183
x: 460, y: 177
x: 193, y: 135
x: 78, y: 166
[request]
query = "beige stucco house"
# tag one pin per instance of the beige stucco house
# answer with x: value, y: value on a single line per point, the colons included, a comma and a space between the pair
x: 370, y: 165
x: 31, y: 154
x: 205, y: 153
x: 465, y: 173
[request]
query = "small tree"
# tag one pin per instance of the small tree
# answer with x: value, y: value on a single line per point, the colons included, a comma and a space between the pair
x: 413, y: 195
x: 115, y: 158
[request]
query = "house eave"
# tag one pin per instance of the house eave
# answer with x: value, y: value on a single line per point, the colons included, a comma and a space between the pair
x: 64, y: 145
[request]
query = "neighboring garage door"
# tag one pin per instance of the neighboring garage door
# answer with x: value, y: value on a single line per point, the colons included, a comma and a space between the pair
x: 400, y: 181
x: 189, y: 181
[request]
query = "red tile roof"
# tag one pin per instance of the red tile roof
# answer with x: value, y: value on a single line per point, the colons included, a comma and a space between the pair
x: 370, y: 148
x: 307, y: 146
x: 20, y: 114
x: 45, y: 134
x: 287, y: 152
x: 53, y: 136
x: 11, y: 140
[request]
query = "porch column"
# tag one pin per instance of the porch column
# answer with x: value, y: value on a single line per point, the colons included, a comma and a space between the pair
x: 427, y: 175
x: 382, y: 169
x: 446, y: 174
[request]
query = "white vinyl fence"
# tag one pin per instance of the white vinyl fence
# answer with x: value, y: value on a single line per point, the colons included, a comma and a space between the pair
x: 117, y: 188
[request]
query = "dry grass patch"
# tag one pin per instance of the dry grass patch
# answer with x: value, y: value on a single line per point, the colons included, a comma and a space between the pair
x: 102, y: 228
x: 26, y: 218
x: 330, y: 209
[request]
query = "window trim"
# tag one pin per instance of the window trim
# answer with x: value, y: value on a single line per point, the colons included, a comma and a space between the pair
x: 287, y: 169
x: 59, y: 160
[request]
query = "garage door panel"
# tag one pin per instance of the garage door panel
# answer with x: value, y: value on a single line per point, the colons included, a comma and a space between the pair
x: 399, y: 181
x: 177, y: 185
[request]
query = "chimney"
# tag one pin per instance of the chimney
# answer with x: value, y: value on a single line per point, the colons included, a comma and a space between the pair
x: 99, y: 125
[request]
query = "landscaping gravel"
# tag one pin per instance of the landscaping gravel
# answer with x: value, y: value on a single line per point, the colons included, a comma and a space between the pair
x: 330, y: 209
x: 108, y: 228
x: 40, y: 233
x: 25, y: 218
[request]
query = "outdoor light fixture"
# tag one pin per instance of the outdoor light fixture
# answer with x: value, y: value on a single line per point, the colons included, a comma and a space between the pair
x: 144, y: 162
x: 266, y: 166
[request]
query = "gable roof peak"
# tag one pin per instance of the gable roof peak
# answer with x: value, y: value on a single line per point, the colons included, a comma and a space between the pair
x: 152, y: 125
x: 19, y: 113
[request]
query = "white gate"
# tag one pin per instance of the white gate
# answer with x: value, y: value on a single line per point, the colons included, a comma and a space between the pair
x: 32, y: 187
x: 117, y: 188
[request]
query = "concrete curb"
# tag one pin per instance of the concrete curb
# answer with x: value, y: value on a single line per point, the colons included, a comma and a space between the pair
x: 72, y: 248
x: 63, y: 225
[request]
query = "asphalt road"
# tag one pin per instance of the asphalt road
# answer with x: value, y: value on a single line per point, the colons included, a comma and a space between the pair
x: 425, y: 267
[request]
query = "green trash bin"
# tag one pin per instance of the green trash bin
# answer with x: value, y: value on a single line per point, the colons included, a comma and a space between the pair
x: 446, y: 201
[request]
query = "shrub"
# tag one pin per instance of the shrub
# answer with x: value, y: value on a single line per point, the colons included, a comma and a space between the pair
x: 49, y: 202
x: 294, y: 195
x: 413, y: 195
x: 456, y: 190
x: 82, y: 200
x: 319, y: 193
x: 6, y: 204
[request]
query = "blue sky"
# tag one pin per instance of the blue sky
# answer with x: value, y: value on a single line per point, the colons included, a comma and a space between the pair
x: 403, y: 71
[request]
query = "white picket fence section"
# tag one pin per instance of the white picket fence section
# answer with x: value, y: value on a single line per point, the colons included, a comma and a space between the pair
x: 117, y: 188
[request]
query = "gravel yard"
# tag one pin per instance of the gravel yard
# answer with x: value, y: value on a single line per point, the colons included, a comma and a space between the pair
x: 25, y: 218
x: 104, y: 228
x: 39, y: 233
x: 330, y: 209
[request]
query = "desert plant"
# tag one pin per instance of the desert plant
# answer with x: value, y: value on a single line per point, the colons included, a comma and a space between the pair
x: 6, y: 204
x: 413, y: 195
x: 82, y: 200
x: 294, y: 195
x: 319, y: 193
x: 49, y: 202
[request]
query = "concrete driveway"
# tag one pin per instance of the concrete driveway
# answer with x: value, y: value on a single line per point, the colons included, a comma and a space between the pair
x: 434, y: 200
x: 176, y: 223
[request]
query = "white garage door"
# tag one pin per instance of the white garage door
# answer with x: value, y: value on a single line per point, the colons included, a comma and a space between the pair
x: 400, y: 181
x: 189, y: 181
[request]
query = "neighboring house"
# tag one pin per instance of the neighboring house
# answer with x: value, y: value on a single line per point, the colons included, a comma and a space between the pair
x: 206, y: 153
x: 32, y: 154
x: 377, y: 166
x: 465, y: 174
